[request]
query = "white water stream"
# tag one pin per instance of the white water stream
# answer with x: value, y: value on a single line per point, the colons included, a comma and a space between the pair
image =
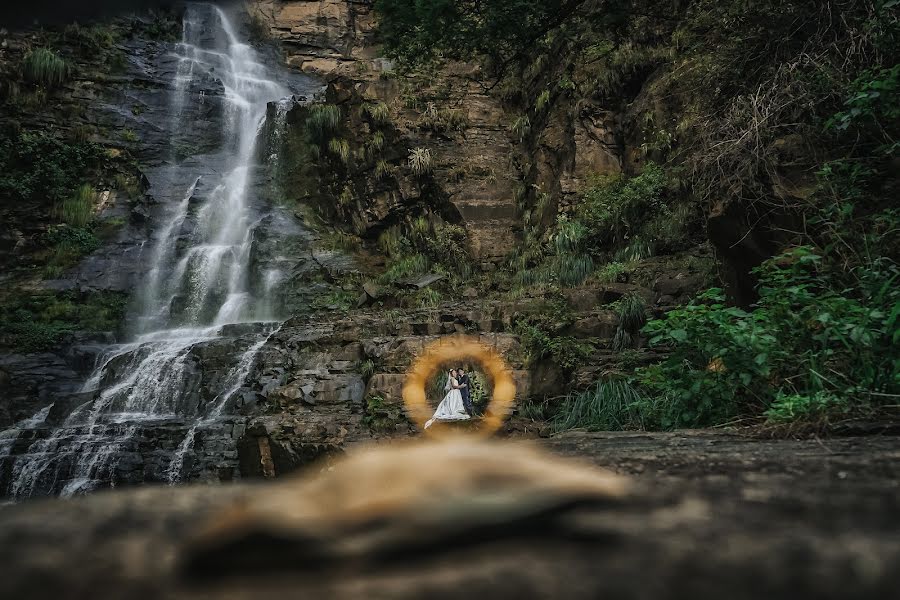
x: 198, y: 285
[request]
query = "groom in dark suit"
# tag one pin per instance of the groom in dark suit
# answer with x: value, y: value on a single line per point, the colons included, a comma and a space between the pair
x: 465, y: 391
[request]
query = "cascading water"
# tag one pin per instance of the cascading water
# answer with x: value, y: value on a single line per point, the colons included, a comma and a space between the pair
x: 199, y: 289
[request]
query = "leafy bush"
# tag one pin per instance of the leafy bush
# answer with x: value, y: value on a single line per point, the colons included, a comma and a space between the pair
x: 611, y: 272
x: 540, y: 342
x: 78, y: 209
x: 67, y: 245
x: 810, y: 337
x: 380, y: 417
x: 37, y: 167
x: 379, y: 112
x: 873, y: 100
x: 38, y: 322
x: 82, y: 239
x: 335, y: 300
x: 44, y: 67
x: 428, y: 297
x: 405, y: 267
x: 794, y: 407
x: 614, y: 208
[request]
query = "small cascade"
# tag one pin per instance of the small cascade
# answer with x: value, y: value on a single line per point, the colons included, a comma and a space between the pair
x: 204, y: 309
x: 235, y: 380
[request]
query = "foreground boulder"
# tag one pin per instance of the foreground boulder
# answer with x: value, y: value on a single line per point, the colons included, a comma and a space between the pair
x: 704, y: 516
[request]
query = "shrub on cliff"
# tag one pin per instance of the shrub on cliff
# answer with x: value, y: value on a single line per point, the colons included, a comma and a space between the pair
x: 44, y: 67
x: 40, y: 322
x: 38, y: 167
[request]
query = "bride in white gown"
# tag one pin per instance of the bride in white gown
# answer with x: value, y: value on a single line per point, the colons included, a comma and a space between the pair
x: 451, y: 407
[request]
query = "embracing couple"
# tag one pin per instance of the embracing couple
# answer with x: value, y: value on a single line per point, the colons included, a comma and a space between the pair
x: 457, y: 404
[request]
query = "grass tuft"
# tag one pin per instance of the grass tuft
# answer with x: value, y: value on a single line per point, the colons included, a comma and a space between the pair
x: 44, y: 67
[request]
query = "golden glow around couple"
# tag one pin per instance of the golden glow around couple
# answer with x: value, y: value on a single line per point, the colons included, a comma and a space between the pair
x: 454, y: 350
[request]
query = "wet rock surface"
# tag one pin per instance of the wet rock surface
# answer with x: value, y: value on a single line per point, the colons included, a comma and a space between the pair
x: 710, y: 514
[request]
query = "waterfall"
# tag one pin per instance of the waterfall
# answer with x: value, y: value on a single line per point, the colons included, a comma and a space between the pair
x: 199, y: 289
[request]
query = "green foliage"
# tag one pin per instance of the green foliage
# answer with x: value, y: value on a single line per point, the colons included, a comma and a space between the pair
x: 534, y: 410
x: 341, y: 300
x: 367, y: 369
x: 443, y: 120
x: 379, y: 112
x: 405, y: 267
x: 614, y: 208
x: 376, y: 143
x: 720, y: 359
x: 543, y: 100
x: 44, y: 67
x: 341, y: 240
x: 420, y: 162
x: 380, y: 417
x: 573, y: 269
x: 67, y: 245
x: 78, y: 209
x: 874, y: 99
x: 542, y: 335
x: 811, y: 336
x: 130, y: 136
x: 611, y: 272
x: 39, y: 168
x: 418, y: 32
x: 322, y: 122
x: 39, y: 322
x: 341, y: 149
x: 611, y: 405
x: 567, y: 352
x: 425, y: 245
x: 617, y: 217
x: 346, y: 197
x: 795, y: 407
x: 428, y: 297
x: 383, y: 169
x: 521, y: 127
x: 632, y: 316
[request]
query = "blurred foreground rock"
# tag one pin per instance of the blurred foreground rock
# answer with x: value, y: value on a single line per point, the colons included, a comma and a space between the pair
x: 700, y: 515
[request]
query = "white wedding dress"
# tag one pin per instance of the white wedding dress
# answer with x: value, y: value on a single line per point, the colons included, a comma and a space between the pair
x: 451, y: 407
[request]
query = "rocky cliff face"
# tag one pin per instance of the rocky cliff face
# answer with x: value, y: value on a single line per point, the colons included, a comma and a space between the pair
x: 479, y: 167
x: 440, y: 144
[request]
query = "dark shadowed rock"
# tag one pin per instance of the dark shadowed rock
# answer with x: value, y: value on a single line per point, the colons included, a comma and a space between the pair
x: 707, y: 515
